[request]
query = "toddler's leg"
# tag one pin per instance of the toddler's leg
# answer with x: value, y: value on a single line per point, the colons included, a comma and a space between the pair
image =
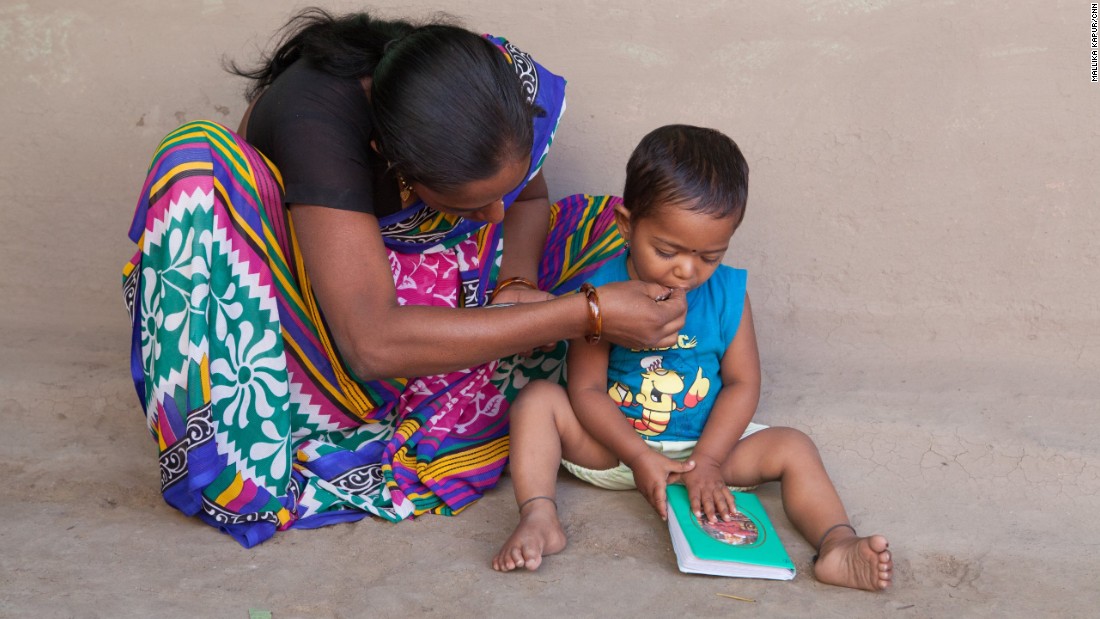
x: 813, y: 506
x: 543, y: 426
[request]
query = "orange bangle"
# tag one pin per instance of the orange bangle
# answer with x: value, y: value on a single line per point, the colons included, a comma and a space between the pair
x: 512, y: 281
x: 595, y: 319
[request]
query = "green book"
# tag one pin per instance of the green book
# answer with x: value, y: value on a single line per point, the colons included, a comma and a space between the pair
x: 745, y: 547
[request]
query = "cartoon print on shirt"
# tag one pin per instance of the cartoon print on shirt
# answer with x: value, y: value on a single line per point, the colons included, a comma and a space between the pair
x: 655, y: 395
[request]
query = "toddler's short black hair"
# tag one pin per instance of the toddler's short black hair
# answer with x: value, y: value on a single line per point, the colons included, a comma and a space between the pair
x: 696, y: 168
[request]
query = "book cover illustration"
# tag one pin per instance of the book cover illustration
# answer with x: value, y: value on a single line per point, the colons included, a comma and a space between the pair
x: 740, y: 530
x: 746, y: 546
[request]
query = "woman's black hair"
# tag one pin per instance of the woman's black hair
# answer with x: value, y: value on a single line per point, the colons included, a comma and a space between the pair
x: 696, y: 168
x: 446, y: 102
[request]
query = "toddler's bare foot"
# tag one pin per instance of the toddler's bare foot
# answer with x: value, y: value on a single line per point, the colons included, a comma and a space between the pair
x: 857, y: 562
x: 538, y: 534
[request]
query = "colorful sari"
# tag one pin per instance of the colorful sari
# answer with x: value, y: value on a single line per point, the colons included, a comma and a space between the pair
x: 260, y: 426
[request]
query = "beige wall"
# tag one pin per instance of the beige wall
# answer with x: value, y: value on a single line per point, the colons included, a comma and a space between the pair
x: 924, y: 174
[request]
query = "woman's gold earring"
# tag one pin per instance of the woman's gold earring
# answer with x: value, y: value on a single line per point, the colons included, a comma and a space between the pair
x: 406, y: 188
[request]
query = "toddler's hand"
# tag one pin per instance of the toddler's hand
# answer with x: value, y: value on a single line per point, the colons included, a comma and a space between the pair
x: 707, y: 492
x: 652, y: 473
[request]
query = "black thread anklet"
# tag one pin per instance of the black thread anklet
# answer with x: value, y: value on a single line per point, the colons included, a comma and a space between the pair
x: 535, y: 498
x: 826, y: 534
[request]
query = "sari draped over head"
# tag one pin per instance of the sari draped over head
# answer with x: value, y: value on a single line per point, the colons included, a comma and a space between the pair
x: 259, y: 424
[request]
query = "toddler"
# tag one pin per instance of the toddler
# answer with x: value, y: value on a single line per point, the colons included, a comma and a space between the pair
x: 646, y: 418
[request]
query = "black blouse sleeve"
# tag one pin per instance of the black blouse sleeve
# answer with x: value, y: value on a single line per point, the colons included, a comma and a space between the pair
x: 316, y: 128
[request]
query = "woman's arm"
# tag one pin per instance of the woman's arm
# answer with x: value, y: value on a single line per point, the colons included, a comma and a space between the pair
x: 345, y: 257
x: 526, y: 225
x: 733, y: 410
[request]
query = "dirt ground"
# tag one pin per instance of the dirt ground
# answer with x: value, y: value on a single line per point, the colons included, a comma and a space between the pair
x: 992, y: 515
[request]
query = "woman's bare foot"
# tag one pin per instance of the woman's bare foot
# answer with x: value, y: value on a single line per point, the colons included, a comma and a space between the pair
x: 857, y: 562
x: 538, y: 534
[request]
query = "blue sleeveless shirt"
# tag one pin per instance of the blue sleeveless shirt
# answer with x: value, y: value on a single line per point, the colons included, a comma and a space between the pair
x: 668, y: 393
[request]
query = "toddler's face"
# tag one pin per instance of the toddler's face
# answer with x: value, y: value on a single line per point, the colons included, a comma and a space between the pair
x: 675, y: 247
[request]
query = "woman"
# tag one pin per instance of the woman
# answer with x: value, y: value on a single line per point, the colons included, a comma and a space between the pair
x: 390, y: 186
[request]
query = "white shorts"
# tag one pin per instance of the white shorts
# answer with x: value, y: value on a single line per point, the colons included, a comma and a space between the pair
x: 622, y: 478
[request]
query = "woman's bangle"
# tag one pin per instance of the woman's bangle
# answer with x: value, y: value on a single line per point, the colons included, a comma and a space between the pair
x: 595, y: 319
x: 512, y: 281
